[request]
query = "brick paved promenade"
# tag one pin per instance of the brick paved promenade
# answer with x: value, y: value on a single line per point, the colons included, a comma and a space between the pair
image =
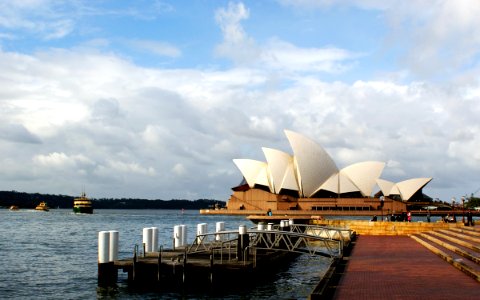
x: 397, y: 267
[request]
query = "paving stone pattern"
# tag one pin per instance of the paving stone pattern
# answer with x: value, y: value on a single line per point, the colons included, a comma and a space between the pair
x: 397, y: 267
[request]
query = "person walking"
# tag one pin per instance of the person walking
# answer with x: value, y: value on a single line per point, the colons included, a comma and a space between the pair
x: 470, y: 218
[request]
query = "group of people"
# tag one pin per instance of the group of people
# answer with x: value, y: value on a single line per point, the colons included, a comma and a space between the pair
x: 404, y: 217
x: 452, y: 219
x: 449, y: 219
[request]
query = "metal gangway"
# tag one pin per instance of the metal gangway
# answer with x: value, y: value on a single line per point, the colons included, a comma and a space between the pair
x: 297, y: 238
x: 345, y: 235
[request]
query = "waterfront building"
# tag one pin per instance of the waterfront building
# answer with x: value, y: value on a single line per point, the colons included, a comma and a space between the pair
x: 309, y: 179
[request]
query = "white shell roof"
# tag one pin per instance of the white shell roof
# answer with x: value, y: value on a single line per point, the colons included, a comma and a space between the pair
x: 409, y: 187
x: 406, y: 189
x: 254, y: 171
x: 310, y: 169
x: 338, y: 185
x: 386, y: 186
x: 280, y: 165
x: 364, y: 175
x: 314, y: 165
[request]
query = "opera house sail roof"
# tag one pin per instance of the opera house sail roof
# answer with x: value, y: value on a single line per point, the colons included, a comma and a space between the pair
x: 311, y: 170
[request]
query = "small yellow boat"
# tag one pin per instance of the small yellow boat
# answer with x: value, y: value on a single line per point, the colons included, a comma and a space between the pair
x: 42, y: 206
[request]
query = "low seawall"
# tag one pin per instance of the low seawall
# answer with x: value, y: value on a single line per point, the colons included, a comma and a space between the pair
x: 387, y: 228
x: 328, y: 213
x: 291, y: 213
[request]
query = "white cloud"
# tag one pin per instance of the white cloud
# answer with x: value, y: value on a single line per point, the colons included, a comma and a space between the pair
x: 265, y: 125
x: 275, y: 54
x: 53, y: 159
x: 155, y: 134
x: 179, y: 169
x: 223, y: 148
x: 61, y: 160
x: 236, y: 44
x: 155, y: 47
x: 282, y: 55
x: 125, y: 130
x: 45, y: 18
x: 439, y: 39
x: 59, y: 29
x: 132, y: 168
x: 17, y: 133
x: 136, y: 127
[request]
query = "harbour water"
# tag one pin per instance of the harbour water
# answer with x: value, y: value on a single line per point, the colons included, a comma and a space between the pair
x: 53, y: 255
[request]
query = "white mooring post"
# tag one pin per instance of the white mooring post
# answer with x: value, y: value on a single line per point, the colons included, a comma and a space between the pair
x: 103, y: 247
x: 270, y: 226
x: 261, y: 226
x: 113, y: 246
x: 201, y: 229
x: 219, y: 226
x: 107, y: 248
x: 184, y: 235
x: 177, y: 236
x: 147, y: 239
x: 154, y: 247
x: 242, y: 242
x: 284, y: 225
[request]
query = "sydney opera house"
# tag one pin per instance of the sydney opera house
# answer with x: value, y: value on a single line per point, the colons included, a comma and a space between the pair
x: 309, y: 179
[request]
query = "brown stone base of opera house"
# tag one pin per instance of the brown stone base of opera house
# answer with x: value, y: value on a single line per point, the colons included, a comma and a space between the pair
x: 260, y: 200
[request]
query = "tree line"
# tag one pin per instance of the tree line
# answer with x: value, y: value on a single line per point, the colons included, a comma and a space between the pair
x: 31, y: 200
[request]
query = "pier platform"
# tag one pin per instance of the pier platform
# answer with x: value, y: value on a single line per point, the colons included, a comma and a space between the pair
x: 220, y: 260
x: 398, y: 267
x: 172, y: 271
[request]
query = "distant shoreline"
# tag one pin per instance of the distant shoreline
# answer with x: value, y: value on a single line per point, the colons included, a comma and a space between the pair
x: 30, y: 200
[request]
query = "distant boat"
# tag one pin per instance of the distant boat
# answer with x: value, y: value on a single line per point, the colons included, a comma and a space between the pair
x: 14, y: 208
x: 82, y: 205
x: 42, y: 206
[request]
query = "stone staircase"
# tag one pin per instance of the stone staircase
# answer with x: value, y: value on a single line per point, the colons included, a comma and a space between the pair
x: 458, y: 246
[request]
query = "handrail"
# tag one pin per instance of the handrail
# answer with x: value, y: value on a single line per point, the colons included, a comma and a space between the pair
x: 291, y: 241
x: 335, y: 233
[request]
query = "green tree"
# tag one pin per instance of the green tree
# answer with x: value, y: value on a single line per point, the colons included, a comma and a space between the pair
x: 472, y: 202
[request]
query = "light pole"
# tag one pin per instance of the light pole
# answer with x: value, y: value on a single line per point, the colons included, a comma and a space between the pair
x: 463, y: 210
x: 382, y: 201
x: 453, y: 207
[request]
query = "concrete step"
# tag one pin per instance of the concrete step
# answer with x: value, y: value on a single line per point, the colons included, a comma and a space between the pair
x: 461, y: 236
x: 472, y: 256
x: 464, y: 261
x: 454, y: 239
x: 467, y: 231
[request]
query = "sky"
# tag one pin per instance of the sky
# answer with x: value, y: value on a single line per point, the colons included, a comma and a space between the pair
x: 154, y: 99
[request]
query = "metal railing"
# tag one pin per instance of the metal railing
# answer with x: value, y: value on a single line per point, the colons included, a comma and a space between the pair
x: 310, y: 239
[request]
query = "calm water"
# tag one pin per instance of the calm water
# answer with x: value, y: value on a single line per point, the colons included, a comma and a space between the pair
x: 53, y: 255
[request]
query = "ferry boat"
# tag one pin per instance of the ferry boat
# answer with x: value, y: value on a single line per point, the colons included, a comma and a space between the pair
x: 82, y: 205
x: 42, y: 206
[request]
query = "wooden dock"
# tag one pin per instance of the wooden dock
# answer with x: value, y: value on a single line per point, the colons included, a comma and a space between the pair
x: 173, y: 270
x: 226, y: 259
